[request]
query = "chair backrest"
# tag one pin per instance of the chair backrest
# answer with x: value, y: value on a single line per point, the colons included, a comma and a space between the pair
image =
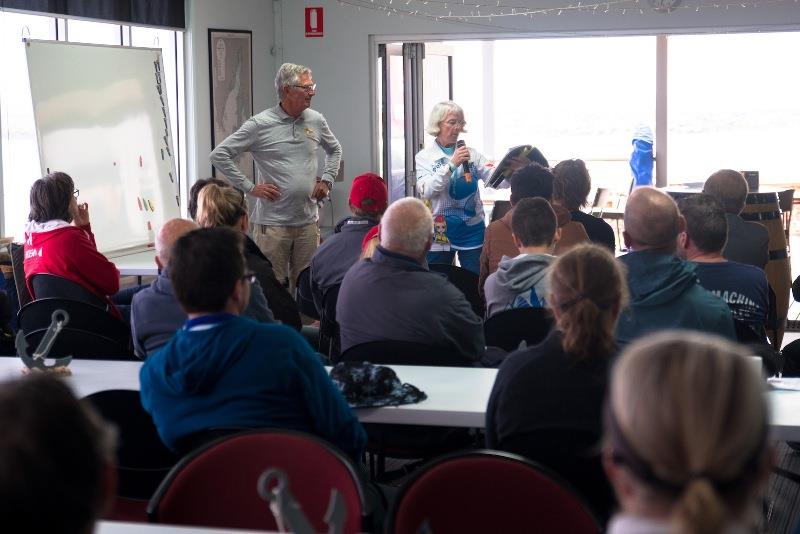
x: 329, y: 343
x: 387, y: 352
x: 216, y: 485
x: 466, y: 281
x: 143, y: 460
x: 17, y: 264
x: 303, y: 294
x: 785, y: 199
x: 508, y: 328
x: 37, y: 315
x: 52, y: 286
x: 81, y: 345
x: 488, y: 491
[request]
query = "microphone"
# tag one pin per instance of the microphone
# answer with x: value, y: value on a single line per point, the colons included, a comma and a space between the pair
x: 465, y: 164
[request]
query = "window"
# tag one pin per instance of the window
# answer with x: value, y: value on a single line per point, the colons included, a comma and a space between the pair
x: 733, y: 104
x: 19, y: 146
x: 20, y: 161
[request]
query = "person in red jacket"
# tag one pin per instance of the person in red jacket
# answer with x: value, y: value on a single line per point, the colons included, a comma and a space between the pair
x: 59, y: 239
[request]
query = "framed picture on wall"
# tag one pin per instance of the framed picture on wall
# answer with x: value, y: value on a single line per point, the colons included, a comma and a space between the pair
x: 230, y: 63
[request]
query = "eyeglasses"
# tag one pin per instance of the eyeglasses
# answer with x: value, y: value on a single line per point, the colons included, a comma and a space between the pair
x: 249, y: 277
x: 76, y: 193
x: 453, y: 122
x: 310, y: 88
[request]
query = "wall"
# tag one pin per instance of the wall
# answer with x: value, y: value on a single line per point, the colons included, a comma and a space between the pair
x: 341, y: 61
x: 253, y: 15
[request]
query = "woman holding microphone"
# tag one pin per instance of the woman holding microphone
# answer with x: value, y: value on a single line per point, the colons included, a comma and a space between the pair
x: 447, y: 180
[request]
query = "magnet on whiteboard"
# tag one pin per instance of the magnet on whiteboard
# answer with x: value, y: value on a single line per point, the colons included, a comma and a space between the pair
x: 162, y: 153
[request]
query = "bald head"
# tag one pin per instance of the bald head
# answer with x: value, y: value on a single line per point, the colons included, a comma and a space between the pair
x: 407, y: 228
x: 730, y: 188
x: 169, y: 233
x: 652, y: 221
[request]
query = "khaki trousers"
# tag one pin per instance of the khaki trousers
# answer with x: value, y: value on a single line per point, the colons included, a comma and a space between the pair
x: 289, y: 248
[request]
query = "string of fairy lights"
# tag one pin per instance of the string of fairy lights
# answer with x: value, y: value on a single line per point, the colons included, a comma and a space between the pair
x: 483, y: 13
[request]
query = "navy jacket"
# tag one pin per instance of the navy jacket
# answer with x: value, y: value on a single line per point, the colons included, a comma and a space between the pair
x: 156, y: 314
x: 336, y: 255
x: 392, y: 297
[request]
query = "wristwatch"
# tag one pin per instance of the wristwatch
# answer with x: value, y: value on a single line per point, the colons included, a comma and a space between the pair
x: 451, y: 166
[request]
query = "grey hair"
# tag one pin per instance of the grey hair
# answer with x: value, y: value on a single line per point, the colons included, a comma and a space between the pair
x: 439, y: 112
x: 289, y: 74
x: 407, y: 227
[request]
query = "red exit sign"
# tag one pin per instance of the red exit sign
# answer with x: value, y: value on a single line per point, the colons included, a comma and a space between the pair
x: 314, y: 25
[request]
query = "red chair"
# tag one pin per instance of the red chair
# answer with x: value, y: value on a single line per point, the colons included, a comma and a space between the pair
x: 488, y: 491
x: 216, y: 486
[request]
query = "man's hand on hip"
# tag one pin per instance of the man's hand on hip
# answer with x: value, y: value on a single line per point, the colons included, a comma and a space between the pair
x: 321, y: 190
x: 266, y: 191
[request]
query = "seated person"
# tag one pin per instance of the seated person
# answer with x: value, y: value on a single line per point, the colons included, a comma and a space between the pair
x: 748, y: 242
x: 559, y: 385
x: 664, y: 292
x: 155, y: 312
x: 530, y: 181
x: 223, y: 371
x: 571, y: 190
x: 743, y: 287
x: 368, y: 201
x: 393, y: 295
x: 226, y: 206
x: 686, y: 443
x: 194, y: 192
x: 57, y: 459
x: 521, y: 281
x: 54, y: 246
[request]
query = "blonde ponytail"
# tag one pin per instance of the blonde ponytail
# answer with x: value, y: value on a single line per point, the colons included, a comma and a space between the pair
x: 699, y: 510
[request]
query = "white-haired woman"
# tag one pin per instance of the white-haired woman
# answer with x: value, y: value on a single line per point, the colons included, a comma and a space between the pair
x: 686, y: 436
x: 452, y: 194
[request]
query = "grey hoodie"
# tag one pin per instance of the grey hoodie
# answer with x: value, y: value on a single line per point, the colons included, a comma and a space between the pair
x: 519, y: 282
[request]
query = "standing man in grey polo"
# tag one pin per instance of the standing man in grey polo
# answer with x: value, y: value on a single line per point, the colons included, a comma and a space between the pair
x: 284, y: 141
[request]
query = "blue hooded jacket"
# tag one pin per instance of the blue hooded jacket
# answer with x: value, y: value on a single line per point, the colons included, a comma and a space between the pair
x: 665, y: 294
x: 240, y: 373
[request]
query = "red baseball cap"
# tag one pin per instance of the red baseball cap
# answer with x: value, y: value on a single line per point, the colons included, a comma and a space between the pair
x: 369, y: 193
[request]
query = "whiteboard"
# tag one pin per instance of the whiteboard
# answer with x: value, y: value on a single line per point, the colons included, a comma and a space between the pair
x: 102, y: 117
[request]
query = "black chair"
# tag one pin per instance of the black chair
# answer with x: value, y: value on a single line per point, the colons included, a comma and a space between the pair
x: 466, y: 281
x: 17, y: 265
x: 303, y: 295
x: 52, y: 286
x: 37, y: 315
x: 388, y: 352
x: 82, y: 345
x: 329, y: 344
x: 508, y: 328
x: 142, y: 458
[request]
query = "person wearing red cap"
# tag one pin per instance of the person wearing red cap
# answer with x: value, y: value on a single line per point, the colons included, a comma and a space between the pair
x: 368, y: 200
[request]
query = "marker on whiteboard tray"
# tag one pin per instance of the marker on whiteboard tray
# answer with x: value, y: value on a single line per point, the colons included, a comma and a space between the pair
x: 157, y: 65
x: 168, y: 152
x: 166, y: 127
x: 177, y: 201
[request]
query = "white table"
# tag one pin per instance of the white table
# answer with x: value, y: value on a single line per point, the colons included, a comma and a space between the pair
x: 457, y: 397
x: 118, y: 527
x: 138, y: 264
